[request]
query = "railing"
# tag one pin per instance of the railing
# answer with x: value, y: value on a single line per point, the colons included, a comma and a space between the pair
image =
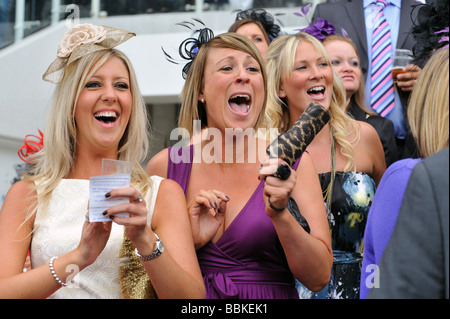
x: 20, y: 18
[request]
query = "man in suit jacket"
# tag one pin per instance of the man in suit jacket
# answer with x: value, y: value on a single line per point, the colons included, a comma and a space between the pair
x: 415, y: 263
x: 355, y: 17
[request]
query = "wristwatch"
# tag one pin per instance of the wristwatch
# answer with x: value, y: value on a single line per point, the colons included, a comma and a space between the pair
x: 159, y: 249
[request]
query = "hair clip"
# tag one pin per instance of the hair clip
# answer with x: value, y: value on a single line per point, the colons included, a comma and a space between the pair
x: 267, y: 20
x: 189, y: 47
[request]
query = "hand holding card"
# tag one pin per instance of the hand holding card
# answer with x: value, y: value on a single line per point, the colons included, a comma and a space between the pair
x: 115, y: 174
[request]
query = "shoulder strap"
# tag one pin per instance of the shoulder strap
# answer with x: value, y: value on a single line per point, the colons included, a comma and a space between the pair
x: 156, y: 181
x: 180, y: 165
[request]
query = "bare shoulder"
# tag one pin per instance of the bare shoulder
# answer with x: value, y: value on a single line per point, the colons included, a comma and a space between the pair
x: 170, y: 208
x: 170, y: 188
x: 22, y: 191
x: 20, y: 198
x: 367, y: 132
x: 170, y: 196
x: 158, y: 164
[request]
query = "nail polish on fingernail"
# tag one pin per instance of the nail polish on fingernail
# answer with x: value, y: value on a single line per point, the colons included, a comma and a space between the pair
x: 108, y: 195
x: 105, y: 212
x: 111, y: 217
x: 228, y: 198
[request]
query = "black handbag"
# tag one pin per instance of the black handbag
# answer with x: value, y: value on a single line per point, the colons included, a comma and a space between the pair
x: 293, y: 209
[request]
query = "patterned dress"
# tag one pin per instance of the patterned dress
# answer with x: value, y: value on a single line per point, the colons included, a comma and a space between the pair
x: 58, y: 231
x: 352, y: 197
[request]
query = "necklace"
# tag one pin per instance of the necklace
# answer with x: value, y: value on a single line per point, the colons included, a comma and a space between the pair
x: 329, y: 191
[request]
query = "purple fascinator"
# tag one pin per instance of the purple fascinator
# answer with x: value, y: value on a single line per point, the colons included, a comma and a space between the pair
x: 445, y: 38
x: 320, y: 29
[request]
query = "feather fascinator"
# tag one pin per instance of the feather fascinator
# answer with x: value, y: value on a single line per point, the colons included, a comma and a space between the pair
x: 189, y: 48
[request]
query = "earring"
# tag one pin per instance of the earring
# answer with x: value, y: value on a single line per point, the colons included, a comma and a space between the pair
x: 203, y: 101
x: 283, y: 95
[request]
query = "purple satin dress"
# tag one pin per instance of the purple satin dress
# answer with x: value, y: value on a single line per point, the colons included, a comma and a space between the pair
x: 248, y: 261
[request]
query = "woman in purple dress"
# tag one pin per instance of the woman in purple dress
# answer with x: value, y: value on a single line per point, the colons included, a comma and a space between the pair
x: 248, y: 243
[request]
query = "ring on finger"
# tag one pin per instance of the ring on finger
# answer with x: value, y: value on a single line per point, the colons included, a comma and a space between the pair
x: 139, y: 199
x: 283, y: 172
x: 273, y: 207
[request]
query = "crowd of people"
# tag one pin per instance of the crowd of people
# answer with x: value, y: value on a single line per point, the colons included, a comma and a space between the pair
x: 220, y: 217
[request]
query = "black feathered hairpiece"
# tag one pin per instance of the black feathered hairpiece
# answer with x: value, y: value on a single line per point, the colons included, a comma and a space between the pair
x: 429, y: 28
x: 189, y: 48
x: 261, y: 15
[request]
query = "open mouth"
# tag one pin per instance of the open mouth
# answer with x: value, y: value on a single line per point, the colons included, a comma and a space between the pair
x: 106, y: 117
x: 317, y: 92
x: 240, y: 103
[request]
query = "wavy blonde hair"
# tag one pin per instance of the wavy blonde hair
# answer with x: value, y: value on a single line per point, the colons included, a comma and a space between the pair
x: 55, y: 161
x: 280, y: 64
x: 191, y: 108
x: 429, y: 104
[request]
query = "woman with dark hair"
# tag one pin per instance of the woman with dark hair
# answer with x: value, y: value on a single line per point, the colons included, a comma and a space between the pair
x: 259, y: 26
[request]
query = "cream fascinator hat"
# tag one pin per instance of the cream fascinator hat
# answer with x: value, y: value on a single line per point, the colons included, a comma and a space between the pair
x: 81, y: 40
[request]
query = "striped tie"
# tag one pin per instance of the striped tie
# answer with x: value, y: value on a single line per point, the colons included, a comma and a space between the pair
x: 382, y: 84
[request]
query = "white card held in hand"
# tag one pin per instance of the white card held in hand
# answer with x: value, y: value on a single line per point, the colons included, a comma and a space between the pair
x: 98, y: 203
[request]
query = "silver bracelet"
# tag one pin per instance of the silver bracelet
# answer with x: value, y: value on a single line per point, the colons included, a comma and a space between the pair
x: 52, y: 270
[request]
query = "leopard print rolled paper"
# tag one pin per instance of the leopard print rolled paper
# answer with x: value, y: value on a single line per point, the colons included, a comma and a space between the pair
x: 290, y: 145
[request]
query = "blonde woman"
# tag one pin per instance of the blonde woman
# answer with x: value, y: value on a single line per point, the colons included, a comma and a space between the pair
x: 97, y: 113
x: 248, y: 243
x: 428, y: 116
x: 347, y: 154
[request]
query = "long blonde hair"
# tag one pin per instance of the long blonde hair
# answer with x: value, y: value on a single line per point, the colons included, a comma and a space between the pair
x: 429, y: 104
x: 55, y: 161
x: 191, y: 108
x: 280, y: 63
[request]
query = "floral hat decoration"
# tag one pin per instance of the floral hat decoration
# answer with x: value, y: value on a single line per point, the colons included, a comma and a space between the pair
x: 321, y: 29
x: 81, y: 40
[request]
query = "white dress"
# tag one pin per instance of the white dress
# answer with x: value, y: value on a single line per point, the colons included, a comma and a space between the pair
x: 58, y: 231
